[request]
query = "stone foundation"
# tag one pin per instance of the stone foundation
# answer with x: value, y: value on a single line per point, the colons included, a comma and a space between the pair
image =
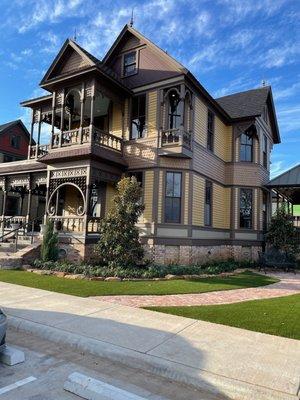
x: 162, y: 254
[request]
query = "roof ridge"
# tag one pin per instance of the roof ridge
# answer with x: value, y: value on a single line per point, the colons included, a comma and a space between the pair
x: 244, y: 91
x: 285, y: 172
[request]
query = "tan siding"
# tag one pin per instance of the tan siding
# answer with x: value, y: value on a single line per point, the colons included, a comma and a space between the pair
x: 256, y: 151
x: 126, y: 119
x: 200, y: 122
x: 160, y: 196
x: 221, y: 207
x: 116, y: 128
x: 223, y: 138
x: 110, y: 193
x: 198, y: 200
x: 237, y: 149
x: 148, y: 195
x: 75, y: 61
x: 152, y: 113
x: 186, y: 198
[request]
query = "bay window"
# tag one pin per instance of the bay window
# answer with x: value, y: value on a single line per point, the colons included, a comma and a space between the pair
x: 173, y: 197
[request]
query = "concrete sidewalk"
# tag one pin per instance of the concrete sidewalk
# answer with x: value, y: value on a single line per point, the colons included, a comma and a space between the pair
x: 233, y: 363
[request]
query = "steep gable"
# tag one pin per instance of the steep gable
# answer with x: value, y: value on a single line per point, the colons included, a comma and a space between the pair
x: 71, y: 58
x: 153, y: 63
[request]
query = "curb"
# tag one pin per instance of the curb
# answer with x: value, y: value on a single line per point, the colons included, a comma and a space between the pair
x: 201, y: 379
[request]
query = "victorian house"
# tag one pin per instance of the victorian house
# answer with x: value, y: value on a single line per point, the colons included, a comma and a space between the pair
x: 202, y: 162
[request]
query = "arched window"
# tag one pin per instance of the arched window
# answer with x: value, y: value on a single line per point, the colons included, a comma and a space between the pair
x: 175, y: 110
x: 246, y: 147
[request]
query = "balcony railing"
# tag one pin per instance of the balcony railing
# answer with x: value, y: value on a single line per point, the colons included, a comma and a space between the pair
x: 87, y: 135
x: 175, y: 137
x: 38, y: 151
x: 75, y: 224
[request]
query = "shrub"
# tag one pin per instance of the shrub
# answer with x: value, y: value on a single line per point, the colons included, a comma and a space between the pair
x: 49, y: 248
x: 119, y: 243
x: 281, y: 234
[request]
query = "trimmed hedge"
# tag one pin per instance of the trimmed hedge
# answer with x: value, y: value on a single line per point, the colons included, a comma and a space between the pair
x: 147, y: 272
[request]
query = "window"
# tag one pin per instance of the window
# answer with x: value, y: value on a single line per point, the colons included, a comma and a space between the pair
x: 265, y: 152
x: 246, y: 208
x: 129, y: 64
x: 210, y: 130
x: 173, y: 197
x: 246, y: 147
x: 138, y: 117
x: 175, y: 113
x: 15, y: 141
x: 208, y: 204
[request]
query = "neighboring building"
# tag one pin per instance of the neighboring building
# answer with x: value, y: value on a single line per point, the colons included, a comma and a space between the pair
x: 14, y: 141
x: 202, y: 162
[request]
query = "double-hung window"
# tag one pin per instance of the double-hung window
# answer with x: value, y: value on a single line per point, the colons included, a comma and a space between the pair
x: 129, y: 64
x: 173, y: 197
x: 210, y: 130
x: 246, y: 147
x: 138, y: 117
x: 246, y: 208
x: 208, y: 204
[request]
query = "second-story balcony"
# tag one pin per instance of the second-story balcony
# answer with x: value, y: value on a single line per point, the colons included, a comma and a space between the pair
x: 77, y: 137
x: 175, y: 143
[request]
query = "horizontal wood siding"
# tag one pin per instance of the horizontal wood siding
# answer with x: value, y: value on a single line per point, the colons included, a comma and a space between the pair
x: 75, y: 61
x: 223, y: 140
x: 116, y: 128
x: 186, y: 198
x: 221, y: 206
x: 110, y: 193
x: 148, y: 196
x: 198, y: 200
x: 152, y: 113
x: 200, y: 122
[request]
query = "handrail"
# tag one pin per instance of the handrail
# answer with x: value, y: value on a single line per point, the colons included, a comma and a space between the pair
x: 21, y: 227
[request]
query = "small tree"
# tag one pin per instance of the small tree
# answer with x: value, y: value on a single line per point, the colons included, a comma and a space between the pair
x: 49, y: 248
x: 282, y: 233
x: 119, y: 243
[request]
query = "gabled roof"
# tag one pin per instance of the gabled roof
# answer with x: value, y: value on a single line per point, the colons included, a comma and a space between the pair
x: 289, y: 178
x: 11, y: 124
x: 245, y: 104
x: 251, y: 104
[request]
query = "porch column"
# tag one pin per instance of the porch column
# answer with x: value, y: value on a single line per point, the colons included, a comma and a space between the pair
x: 182, y: 98
x: 92, y: 109
x: 39, y: 134
x: 82, y: 98
x: 87, y: 200
x: 28, y: 205
x: 3, y: 210
x: 62, y: 114
x: 53, y: 119
x: 31, y: 134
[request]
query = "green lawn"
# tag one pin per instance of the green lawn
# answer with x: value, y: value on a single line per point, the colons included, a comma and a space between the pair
x: 279, y: 316
x: 296, y: 209
x: 85, y: 288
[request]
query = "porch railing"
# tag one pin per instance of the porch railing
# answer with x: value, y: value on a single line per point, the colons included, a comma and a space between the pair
x: 87, y: 135
x: 177, y: 137
x: 38, y: 151
x: 75, y: 224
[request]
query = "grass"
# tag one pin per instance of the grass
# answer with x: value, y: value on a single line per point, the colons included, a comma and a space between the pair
x: 296, y: 209
x: 279, y: 316
x: 86, y: 288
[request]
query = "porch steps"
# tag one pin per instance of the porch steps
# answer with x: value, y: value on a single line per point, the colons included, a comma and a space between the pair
x: 11, y: 259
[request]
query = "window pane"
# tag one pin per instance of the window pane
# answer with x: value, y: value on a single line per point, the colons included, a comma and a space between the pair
x: 177, y: 185
x: 176, y: 210
x: 138, y: 122
x: 130, y: 69
x: 129, y: 58
x: 248, y: 153
x: 168, y: 209
x: 169, y: 185
x: 246, y: 208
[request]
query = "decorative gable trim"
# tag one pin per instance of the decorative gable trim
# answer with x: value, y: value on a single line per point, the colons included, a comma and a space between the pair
x: 78, y: 55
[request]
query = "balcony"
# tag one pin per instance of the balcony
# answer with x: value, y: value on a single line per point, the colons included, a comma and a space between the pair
x: 175, y: 143
x: 38, y: 151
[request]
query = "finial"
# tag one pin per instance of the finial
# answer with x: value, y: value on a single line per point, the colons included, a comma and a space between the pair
x: 263, y: 83
x: 75, y: 35
x: 131, y: 19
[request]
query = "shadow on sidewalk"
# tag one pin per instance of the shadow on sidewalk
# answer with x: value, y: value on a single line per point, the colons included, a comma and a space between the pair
x: 125, y: 330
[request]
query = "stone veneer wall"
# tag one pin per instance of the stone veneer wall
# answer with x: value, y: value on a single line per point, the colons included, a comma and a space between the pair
x: 162, y: 254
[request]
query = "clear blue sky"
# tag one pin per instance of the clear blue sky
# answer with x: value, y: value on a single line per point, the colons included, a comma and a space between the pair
x: 230, y: 45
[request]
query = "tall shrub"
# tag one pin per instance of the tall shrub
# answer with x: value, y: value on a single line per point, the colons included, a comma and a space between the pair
x: 49, y: 248
x: 119, y: 243
x: 281, y: 233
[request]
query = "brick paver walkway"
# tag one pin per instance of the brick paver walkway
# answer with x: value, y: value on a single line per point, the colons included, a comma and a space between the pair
x: 289, y: 284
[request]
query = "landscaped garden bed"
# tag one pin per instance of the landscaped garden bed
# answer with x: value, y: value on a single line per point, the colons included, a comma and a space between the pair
x: 85, y: 288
